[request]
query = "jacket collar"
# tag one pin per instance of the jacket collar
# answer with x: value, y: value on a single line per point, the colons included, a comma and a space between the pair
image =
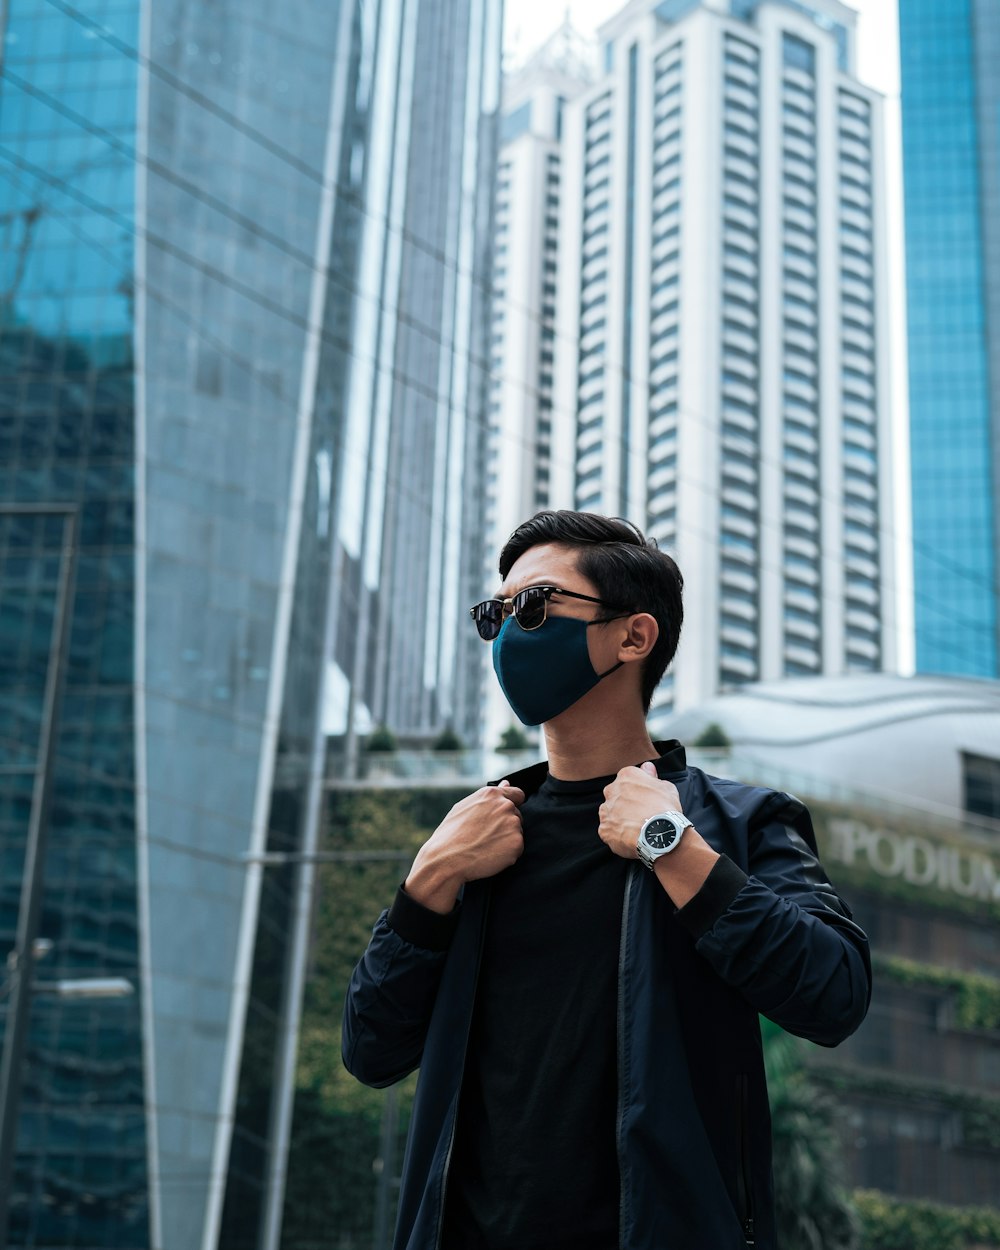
x: 671, y: 759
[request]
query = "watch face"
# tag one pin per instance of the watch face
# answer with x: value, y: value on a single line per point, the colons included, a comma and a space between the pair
x: 661, y: 834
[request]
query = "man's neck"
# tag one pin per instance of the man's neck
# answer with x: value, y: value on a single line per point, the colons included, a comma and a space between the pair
x: 586, y: 748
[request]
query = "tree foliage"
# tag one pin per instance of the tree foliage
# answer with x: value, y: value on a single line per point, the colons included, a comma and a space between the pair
x: 978, y: 1114
x: 330, y: 1197
x: 447, y: 740
x: 514, y: 739
x: 332, y: 1181
x: 812, y: 1209
x: 891, y: 1224
x: 382, y: 739
x: 975, y: 996
x: 713, y: 736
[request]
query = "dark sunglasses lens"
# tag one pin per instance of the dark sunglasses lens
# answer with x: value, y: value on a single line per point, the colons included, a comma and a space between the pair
x: 488, y: 617
x: 529, y: 607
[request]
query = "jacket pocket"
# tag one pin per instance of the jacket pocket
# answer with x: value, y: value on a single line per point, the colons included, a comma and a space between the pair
x: 744, y: 1176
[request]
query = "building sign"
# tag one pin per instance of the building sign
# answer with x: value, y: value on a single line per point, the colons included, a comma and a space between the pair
x: 964, y: 870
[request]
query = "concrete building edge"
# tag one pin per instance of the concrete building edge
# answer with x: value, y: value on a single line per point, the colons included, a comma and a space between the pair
x: 279, y: 653
x: 281, y: 1121
x: 154, y: 1179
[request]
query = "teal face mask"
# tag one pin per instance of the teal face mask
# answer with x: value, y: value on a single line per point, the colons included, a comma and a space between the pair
x: 544, y: 671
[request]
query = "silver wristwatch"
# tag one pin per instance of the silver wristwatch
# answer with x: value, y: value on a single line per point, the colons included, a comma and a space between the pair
x: 660, y: 835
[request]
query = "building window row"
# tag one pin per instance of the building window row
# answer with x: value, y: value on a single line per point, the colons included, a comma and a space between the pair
x: 662, y: 492
x: 663, y: 328
x: 799, y: 122
x: 740, y: 157
x: 798, y: 99
x: 854, y: 151
x: 592, y: 318
x: 740, y: 51
x: 739, y: 73
x: 855, y: 242
x: 595, y: 269
x: 668, y: 61
x: 664, y: 309
x: 662, y: 519
x: 739, y: 536
x: 859, y: 441
x: 854, y: 162
x: 597, y: 138
x: 591, y: 322
x: 669, y: 120
x: 592, y: 300
x: 595, y: 163
x: 599, y: 112
x: 589, y: 470
x: 801, y: 628
x: 592, y: 193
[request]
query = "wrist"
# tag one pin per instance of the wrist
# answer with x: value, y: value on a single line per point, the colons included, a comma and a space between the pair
x: 684, y: 871
x: 432, y: 884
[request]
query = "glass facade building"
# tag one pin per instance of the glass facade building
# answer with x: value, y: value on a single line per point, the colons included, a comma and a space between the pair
x: 951, y: 177
x: 242, y: 310
x: 67, y: 438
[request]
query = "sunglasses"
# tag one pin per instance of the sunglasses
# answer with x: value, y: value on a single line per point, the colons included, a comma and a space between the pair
x: 528, y: 608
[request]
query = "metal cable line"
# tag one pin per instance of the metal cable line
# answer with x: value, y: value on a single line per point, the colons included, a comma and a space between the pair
x: 351, y: 195
x: 421, y: 501
x: 397, y: 374
x: 347, y: 347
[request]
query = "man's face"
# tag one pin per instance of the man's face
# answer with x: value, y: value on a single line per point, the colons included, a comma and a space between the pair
x: 551, y: 564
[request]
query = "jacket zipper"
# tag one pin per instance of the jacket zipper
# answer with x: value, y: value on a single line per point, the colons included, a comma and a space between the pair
x: 744, y: 1181
x: 620, y: 1123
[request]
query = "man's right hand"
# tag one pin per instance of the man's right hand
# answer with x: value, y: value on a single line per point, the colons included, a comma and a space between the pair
x: 479, y: 837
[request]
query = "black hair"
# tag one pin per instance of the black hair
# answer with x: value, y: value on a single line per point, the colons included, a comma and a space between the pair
x: 627, y: 569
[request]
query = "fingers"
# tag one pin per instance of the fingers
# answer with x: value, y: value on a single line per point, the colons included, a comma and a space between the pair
x: 514, y: 793
x: 628, y: 773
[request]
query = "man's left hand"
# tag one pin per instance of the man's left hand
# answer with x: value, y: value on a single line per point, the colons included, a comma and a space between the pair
x: 633, y: 796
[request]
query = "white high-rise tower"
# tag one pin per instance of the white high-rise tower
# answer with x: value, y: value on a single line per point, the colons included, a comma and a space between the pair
x: 720, y: 332
x: 524, y: 474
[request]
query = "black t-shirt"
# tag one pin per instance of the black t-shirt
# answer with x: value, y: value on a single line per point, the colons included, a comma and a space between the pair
x: 534, y: 1164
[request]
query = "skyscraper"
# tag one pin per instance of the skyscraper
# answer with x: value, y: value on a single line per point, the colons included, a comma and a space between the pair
x: 951, y: 179
x: 721, y: 354
x: 528, y: 458
x: 243, y: 292
x: 411, y: 514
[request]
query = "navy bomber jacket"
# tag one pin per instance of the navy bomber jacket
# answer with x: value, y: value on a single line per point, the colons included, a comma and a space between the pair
x: 766, y: 934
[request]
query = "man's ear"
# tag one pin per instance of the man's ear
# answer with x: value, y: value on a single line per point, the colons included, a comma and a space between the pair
x: 640, y: 638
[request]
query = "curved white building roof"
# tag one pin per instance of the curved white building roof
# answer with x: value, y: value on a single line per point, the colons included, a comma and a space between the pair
x: 903, y: 737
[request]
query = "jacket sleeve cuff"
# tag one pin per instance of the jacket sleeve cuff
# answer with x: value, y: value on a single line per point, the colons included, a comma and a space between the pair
x: 420, y: 926
x: 721, y: 886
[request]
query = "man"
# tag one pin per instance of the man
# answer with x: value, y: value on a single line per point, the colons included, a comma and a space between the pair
x: 578, y: 956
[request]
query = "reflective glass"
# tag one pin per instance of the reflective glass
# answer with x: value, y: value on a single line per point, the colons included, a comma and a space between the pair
x: 66, y: 439
x: 946, y: 164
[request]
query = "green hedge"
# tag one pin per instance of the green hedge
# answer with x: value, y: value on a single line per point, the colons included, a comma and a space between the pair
x: 852, y: 880
x: 336, y: 1129
x: 976, y: 996
x: 979, y: 1115
x: 894, y: 1224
